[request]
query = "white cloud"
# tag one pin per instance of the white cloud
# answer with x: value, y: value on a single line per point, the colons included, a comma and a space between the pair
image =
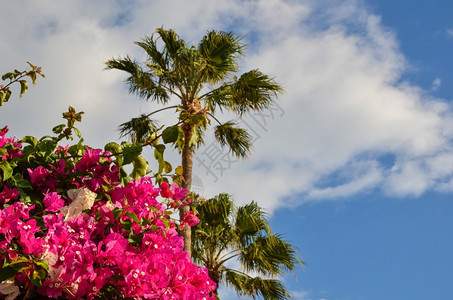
x: 450, y: 32
x: 436, y: 84
x: 345, y: 106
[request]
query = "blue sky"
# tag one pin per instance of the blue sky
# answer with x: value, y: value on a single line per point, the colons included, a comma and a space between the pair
x: 355, y: 164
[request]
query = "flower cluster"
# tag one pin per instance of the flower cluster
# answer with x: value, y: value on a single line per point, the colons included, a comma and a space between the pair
x: 70, y: 229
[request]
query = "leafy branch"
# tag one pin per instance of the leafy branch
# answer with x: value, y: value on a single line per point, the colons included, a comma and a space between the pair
x: 18, y: 77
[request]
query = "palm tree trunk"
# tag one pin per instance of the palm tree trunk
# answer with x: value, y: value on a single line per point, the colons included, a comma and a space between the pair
x: 215, y: 276
x: 187, y: 163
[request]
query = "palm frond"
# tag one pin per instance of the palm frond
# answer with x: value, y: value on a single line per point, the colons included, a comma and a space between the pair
x: 154, y: 55
x: 141, y: 83
x: 197, y: 136
x: 218, y: 98
x: 227, y: 232
x: 173, y: 43
x: 237, y: 139
x: 255, y: 286
x: 138, y: 129
x: 271, y: 255
x: 221, y: 51
x: 214, y: 233
x: 252, y: 91
x: 124, y: 64
x: 250, y: 222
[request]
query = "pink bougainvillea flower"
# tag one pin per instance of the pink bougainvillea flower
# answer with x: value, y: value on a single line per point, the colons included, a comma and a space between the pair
x: 8, y: 194
x: 107, y: 234
x: 38, y: 175
x: 11, y: 153
x: 26, y: 232
x: 89, y: 159
x: 42, y: 179
x: 191, y: 219
x: 178, y: 192
x: 165, y: 190
x: 53, y: 202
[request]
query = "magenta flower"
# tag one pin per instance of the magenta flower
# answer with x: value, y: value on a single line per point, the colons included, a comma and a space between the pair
x: 53, y: 202
x: 191, y: 219
x: 165, y: 190
x: 89, y: 160
x: 108, y: 234
x: 42, y: 179
x: 8, y: 195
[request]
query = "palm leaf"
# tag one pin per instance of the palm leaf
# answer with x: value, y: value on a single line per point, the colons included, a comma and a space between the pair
x: 140, y: 82
x: 252, y: 91
x: 155, y: 56
x: 138, y: 129
x: 255, y: 286
x: 173, y: 43
x: 269, y: 254
x: 237, y: 139
x: 221, y: 51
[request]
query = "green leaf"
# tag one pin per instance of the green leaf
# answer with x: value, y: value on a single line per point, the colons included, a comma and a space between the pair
x: 58, y: 129
x: 23, y: 87
x: 38, y: 276
x: 159, y: 155
x: 20, y: 182
x: 7, y: 273
x: 115, y: 149
x: 135, y: 238
x: 170, y: 134
x: 166, y: 222
x: 160, y: 148
x: 30, y: 140
x: 133, y: 216
x: 48, y: 146
x: 20, y: 266
x: 140, y: 167
x: 7, y: 170
x: 8, y: 75
x: 178, y: 170
x: 126, y: 224
x: 2, y: 97
x: 117, y: 212
x: 77, y: 132
x: 124, y: 177
x: 112, y: 147
x: 32, y: 75
x: 42, y: 264
x: 167, y: 167
x: 131, y: 152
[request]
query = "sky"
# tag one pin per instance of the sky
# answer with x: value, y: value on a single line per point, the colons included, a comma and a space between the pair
x: 354, y: 163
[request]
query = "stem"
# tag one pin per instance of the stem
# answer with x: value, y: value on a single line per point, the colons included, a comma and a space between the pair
x: 159, y: 110
x: 215, y: 118
x: 22, y: 75
x: 214, y: 90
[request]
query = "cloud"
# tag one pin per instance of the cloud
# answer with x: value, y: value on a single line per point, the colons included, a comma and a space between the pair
x: 344, y: 111
x: 450, y: 32
x: 436, y: 84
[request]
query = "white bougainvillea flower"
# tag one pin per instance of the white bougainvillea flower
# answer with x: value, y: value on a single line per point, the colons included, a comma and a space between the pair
x: 49, y: 257
x: 81, y: 199
x: 7, y: 287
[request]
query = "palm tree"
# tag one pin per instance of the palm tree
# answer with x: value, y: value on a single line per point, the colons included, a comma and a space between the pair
x: 202, y: 80
x: 226, y: 232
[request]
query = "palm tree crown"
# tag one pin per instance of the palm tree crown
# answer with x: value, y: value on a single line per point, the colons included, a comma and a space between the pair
x: 226, y: 232
x: 202, y: 79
